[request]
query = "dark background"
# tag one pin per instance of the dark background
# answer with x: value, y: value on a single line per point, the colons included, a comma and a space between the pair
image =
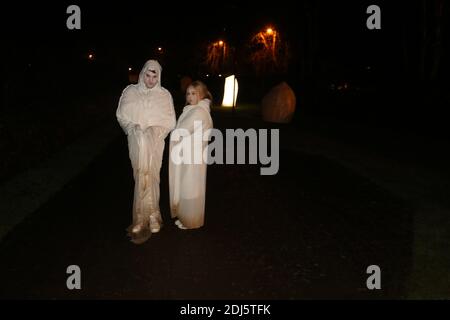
x: 396, y: 77
x: 364, y: 173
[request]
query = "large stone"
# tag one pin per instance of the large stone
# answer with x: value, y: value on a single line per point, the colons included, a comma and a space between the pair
x: 278, y: 105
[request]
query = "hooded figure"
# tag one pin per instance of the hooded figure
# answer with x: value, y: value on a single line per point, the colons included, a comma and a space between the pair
x: 146, y: 114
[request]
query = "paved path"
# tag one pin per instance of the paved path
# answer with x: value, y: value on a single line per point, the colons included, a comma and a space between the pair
x: 308, y: 232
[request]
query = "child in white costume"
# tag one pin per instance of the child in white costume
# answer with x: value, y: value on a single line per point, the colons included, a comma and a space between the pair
x: 187, y: 181
x: 146, y: 114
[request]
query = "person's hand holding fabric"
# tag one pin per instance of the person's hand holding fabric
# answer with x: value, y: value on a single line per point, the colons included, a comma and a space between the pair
x: 132, y: 128
x: 137, y: 127
x: 158, y: 131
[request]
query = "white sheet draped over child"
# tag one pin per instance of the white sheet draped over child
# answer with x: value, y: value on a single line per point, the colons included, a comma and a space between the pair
x: 187, y: 182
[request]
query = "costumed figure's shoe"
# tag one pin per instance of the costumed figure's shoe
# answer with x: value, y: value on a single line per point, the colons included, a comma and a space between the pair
x: 139, y: 233
x: 155, y: 224
x: 136, y: 228
x: 180, y: 225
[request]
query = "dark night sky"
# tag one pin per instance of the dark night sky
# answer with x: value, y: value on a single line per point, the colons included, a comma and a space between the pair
x: 331, y: 36
x: 132, y: 25
x: 122, y: 24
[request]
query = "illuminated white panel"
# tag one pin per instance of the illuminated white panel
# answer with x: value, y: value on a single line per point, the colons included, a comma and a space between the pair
x: 231, y: 86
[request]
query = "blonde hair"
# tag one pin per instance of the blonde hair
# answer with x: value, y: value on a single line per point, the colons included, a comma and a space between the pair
x: 202, y: 90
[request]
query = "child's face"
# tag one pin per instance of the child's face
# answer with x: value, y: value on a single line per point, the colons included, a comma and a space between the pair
x: 150, y: 79
x: 192, y: 96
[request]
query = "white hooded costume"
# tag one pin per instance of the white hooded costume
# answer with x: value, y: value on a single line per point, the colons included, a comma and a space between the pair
x: 146, y: 116
x: 187, y: 182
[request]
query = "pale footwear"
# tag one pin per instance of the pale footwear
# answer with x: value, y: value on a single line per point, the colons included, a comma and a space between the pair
x: 154, y: 224
x: 180, y: 225
x: 137, y: 228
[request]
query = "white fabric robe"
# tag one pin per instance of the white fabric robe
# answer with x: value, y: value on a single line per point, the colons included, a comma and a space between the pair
x: 187, y: 182
x: 146, y: 116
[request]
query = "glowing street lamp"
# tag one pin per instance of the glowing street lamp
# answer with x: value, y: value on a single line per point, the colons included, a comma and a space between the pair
x: 268, y: 39
x: 269, y: 51
x: 217, y: 55
x: 271, y: 40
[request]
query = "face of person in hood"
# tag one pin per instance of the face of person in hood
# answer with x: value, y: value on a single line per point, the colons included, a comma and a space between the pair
x: 150, y: 78
x: 192, y: 96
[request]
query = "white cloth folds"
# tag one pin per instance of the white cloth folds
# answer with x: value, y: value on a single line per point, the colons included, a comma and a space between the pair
x: 146, y: 116
x: 187, y: 181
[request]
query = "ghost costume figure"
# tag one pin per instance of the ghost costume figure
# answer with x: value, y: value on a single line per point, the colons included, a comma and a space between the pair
x: 187, y: 181
x: 146, y: 114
